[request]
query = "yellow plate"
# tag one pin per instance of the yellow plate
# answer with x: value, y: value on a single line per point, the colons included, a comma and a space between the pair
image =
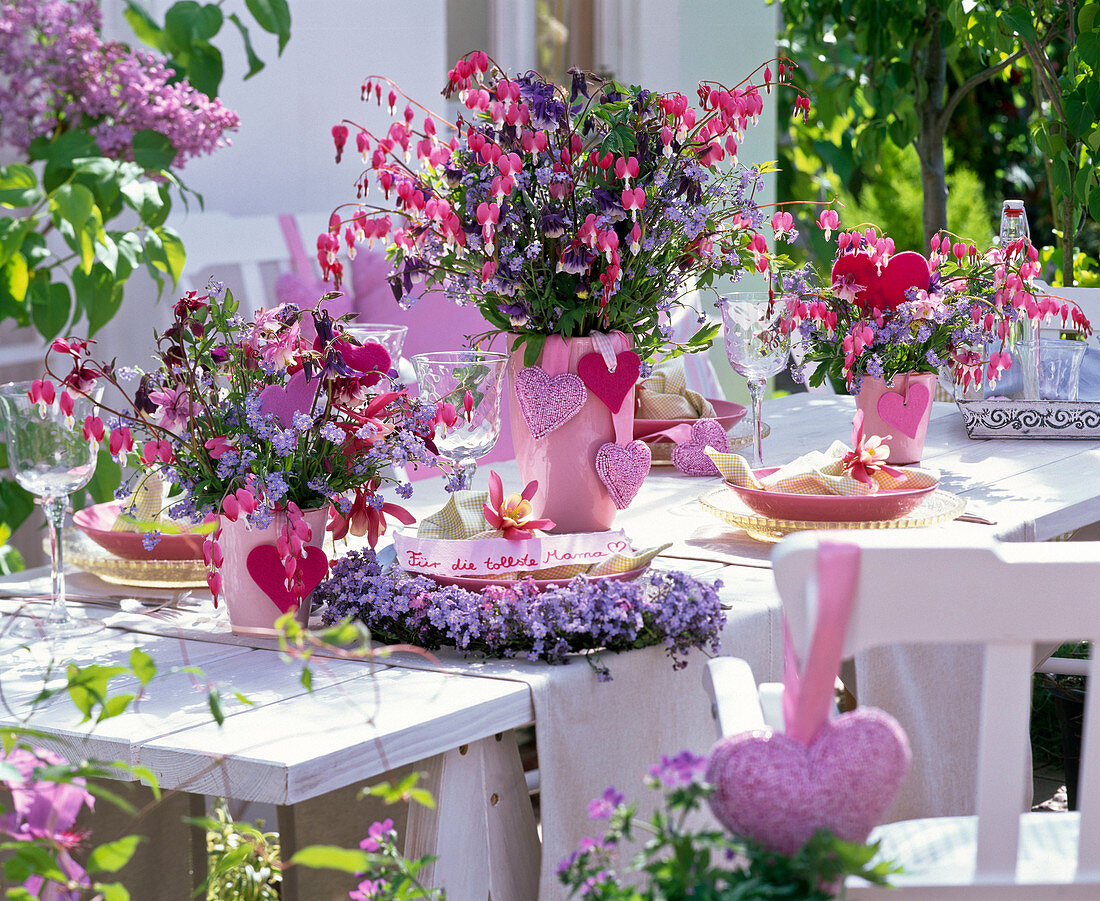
x: 81, y: 552
x: 938, y: 507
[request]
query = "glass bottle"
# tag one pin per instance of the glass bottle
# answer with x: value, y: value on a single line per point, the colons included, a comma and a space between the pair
x: 1013, y: 227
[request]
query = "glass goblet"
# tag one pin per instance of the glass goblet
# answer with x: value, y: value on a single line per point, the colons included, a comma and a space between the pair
x: 757, y: 346
x: 469, y: 381
x: 49, y: 457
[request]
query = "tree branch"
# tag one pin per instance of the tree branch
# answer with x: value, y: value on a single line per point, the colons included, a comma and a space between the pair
x: 972, y: 82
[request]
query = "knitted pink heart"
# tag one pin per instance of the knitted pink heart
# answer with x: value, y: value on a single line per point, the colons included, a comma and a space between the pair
x: 778, y: 792
x: 885, y: 289
x: 905, y: 412
x: 267, y: 572
x: 548, y: 402
x: 284, y: 401
x: 623, y: 468
x: 610, y: 387
x: 690, y: 458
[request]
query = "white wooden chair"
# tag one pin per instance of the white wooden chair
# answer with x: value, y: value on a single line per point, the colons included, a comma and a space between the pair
x: 924, y: 587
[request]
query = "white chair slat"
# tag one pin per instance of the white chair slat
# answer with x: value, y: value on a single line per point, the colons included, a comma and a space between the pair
x: 1006, y: 707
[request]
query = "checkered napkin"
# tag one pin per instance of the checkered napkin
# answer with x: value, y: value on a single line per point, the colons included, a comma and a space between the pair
x: 816, y: 473
x: 665, y: 395
x: 463, y: 517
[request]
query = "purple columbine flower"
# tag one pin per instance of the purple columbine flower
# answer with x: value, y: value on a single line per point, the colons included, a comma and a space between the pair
x: 576, y: 259
x: 552, y: 223
x: 546, y: 111
x: 608, y: 204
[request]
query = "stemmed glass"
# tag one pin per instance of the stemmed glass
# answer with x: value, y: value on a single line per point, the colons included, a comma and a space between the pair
x: 49, y: 457
x: 470, y: 382
x: 757, y: 346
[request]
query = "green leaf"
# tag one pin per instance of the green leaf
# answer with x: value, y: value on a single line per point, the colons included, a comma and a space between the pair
x: 153, y: 151
x: 144, y: 26
x: 14, y: 279
x: 105, y: 479
x: 188, y: 22
x: 18, y: 186
x: 306, y: 678
x: 113, y: 856
x: 114, y: 891
x: 255, y: 64
x: 74, y: 203
x: 142, y: 665
x: 173, y: 253
x: 331, y: 857
x: 144, y: 197
x: 87, y: 685
x: 61, y: 155
x: 273, y: 16
x: 205, y: 68
x: 16, y: 503
x: 99, y: 294
x: 51, y: 306
x: 215, y: 701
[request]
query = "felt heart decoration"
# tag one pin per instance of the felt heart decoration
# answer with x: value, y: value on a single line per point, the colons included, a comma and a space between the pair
x: 610, y: 387
x: 266, y: 570
x: 905, y: 413
x: 773, y: 789
x: 548, y: 402
x: 371, y: 359
x: 690, y: 457
x: 286, y: 400
x: 623, y: 468
x: 885, y: 289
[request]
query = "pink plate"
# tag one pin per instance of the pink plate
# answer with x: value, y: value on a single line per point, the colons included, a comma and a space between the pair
x: 887, y: 504
x: 726, y: 412
x: 96, y: 522
x: 541, y: 584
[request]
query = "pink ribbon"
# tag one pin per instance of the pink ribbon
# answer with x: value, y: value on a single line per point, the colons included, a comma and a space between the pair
x: 808, y: 694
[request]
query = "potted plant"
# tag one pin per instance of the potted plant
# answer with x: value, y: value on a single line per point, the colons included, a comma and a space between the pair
x: 265, y: 430
x: 576, y: 219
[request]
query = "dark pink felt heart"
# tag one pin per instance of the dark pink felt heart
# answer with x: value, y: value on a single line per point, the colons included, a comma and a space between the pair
x: 267, y: 572
x: 371, y: 359
x: 286, y: 400
x: 778, y: 791
x: 548, y: 402
x: 689, y: 457
x: 623, y: 468
x: 610, y: 387
x: 905, y: 412
x: 885, y: 289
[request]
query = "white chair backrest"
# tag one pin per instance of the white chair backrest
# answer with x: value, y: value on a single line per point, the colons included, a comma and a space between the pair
x: 917, y: 587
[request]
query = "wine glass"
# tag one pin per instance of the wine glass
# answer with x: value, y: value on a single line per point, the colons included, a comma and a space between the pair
x: 49, y: 457
x: 757, y: 346
x: 470, y: 382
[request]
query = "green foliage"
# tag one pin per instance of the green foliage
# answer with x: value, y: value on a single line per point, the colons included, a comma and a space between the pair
x: 892, y: 201
x: 244, y: 860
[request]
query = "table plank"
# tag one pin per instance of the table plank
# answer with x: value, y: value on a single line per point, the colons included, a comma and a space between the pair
x: 311, y: 744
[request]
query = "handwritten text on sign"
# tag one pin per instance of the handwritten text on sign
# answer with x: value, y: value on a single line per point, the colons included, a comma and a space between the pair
x: 494, y: 556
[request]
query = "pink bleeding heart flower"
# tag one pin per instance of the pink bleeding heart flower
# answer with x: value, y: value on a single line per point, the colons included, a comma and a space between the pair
x: 868, y: 455
x: 93, y: 429
x: 514, y: 514
x: 42, y: 393
x: 65, y: 404
x: 218, y: 446
x: 468, y: 405
x: 121, y: 441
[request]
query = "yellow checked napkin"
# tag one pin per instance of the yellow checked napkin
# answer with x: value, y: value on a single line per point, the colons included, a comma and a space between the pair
x: 816, y: 473
x: 463, y: 517
x: 665, y: 395
x: 144, y: 505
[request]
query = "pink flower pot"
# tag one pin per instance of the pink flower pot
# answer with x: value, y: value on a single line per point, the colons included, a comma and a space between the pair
x: 564, y: 461
x: 251, y: 609
x: 900, y: 409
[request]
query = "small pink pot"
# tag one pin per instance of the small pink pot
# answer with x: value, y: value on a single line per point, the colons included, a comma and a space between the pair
x: 564, y: 461
x: 251, y: 610
x: 900, y: 409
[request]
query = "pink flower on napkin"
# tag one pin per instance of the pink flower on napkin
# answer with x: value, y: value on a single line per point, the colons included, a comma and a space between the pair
x: 513, y: 514
x: 868, y: 455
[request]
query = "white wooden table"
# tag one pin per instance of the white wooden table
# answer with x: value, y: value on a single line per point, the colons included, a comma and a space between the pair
x: 308, y: 752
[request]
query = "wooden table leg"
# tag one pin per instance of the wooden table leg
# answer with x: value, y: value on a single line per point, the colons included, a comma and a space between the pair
x: 482, y: 829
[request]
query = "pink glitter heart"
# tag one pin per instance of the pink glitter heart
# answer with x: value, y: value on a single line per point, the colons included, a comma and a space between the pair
x: 623, y: 468
x: 689, y: 456
x: 777, y: 791
x: 548, y: 402
x: 905, y: 413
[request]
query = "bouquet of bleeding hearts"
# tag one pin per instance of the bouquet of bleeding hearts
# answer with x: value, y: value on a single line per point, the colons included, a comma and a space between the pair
x: 559, y: 211
x: 882, y: 313
x: 253, y: 419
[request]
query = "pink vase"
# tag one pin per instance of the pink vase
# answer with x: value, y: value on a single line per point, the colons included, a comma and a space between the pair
x: 564, y: 461
x: 251, y: 609
x: 900, y: 409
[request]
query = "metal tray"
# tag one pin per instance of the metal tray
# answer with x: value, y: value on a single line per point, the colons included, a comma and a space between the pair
x: 1031, y: 418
